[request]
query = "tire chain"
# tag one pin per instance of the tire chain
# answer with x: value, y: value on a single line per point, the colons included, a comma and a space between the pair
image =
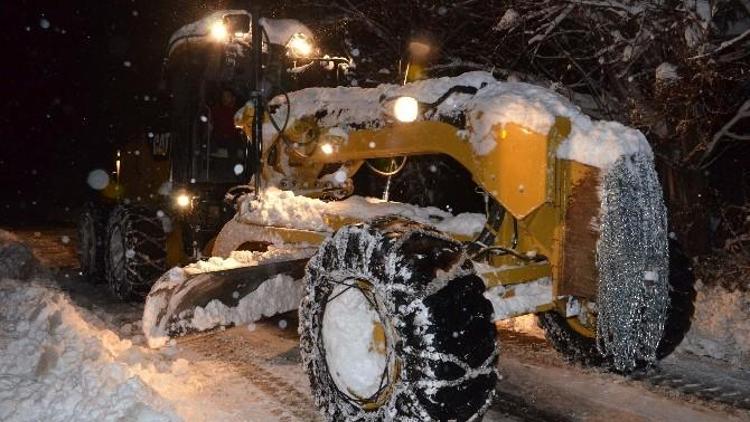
x: 136, y: 223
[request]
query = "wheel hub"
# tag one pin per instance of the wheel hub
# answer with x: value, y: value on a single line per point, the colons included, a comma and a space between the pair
x: 358, y: 344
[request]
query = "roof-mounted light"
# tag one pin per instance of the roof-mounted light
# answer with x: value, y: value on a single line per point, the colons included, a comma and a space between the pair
x: 219, y: 32
x: 299, y: 46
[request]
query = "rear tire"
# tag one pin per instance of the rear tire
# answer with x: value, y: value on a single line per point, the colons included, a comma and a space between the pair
x: 92, y: 232
x: 579, y: 348
x: 136, y: 251
x: 439, y: 347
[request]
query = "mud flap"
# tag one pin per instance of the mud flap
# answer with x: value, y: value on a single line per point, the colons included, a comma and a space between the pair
x: 175, y: 297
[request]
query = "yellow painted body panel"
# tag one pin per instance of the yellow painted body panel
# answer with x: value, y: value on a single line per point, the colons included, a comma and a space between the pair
x: 521, y: 172
x: 515, y: 172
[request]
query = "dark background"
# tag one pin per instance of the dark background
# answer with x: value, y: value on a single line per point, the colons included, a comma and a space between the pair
x: 78, y: 77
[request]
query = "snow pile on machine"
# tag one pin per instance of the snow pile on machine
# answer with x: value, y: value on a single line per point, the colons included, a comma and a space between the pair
x: 285, y: 209
x: 492, y: 103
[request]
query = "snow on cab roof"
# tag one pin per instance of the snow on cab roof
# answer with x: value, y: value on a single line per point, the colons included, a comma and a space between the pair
x: 596, y: 143
x: 279, y: 30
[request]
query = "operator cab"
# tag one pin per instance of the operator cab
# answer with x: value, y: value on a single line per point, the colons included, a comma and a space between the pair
x: 208, y: 75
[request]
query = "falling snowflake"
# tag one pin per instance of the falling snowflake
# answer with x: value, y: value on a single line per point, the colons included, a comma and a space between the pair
x: 283, y: 324
x: 98, y: 179
x: 65, y: 240
x: 239, y: 169
x: 44, y: 23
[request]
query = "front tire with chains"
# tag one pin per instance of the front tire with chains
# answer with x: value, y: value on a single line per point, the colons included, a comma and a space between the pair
x: 579, y: 348
x: 136, y: 251
x: 443, y: 337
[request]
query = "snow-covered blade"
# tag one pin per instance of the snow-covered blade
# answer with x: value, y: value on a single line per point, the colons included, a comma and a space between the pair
x: 220, y: 292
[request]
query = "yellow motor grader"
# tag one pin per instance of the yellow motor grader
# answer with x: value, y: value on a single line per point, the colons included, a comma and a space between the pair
x: 397, y: 302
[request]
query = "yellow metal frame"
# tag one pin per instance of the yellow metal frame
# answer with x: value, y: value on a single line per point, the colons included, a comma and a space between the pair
x: 522, y: 172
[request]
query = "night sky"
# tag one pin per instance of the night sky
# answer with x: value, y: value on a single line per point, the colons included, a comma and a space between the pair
x: 78, y: 78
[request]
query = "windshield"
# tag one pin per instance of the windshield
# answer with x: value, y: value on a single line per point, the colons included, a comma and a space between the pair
x: 219, y: 153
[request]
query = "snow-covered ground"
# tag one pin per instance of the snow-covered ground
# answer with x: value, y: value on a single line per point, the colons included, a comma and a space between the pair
x: 721, y: 325
x: 60, y: 362
x: 66, y: 354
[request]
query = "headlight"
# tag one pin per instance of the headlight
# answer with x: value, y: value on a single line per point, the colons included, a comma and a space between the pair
x: 299, y: 46
x: 406, y: 109
x: 183, y: 200
x: 219, y: 32
x: 327, y: 148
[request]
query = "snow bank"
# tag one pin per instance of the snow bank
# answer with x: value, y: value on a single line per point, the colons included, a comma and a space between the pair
x: 57, y: 366
x: 285, y: 209
x: 16, y: 259
x: 720, y: 327
x: 495, y: 103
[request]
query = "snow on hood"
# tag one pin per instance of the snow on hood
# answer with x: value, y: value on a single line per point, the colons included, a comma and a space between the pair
x: 279, y: 30
x: 597, y: 143
x: 285, y: 209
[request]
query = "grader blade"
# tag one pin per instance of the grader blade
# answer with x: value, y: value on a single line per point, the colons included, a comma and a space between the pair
x: 172, y: 303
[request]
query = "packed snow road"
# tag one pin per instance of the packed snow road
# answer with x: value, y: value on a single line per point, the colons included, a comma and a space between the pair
x: 69, y: 351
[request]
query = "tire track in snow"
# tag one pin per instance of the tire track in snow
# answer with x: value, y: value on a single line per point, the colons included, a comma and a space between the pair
x: 261, y: 357
x: 681, y: 374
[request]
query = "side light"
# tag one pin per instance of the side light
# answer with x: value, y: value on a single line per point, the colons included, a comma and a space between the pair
x: 219, y: 32
x: 327, y: 148
x: 183, y: 200
x: 406, y: 109
x: 299, y: 46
